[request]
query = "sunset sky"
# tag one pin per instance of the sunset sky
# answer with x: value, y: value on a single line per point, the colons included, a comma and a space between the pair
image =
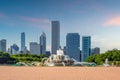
x: 99, y: 19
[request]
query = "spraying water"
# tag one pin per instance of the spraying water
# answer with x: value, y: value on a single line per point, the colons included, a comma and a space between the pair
x: 63, y: 63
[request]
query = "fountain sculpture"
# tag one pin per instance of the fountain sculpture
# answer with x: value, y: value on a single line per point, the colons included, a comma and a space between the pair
x: 59, y: 59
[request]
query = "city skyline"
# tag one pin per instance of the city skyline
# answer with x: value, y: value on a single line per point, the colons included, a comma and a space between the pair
x: 99, y: 19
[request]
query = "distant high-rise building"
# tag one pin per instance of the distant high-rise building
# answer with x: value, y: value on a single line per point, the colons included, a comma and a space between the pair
x: 34, y: 48
x: 47, y: 53
x: 43, y: 43
x: 55, y: 31
x: 64, y: 49
x: 3, y: 45
x: 86, y: 47
x: 73, y: 45
x: 23, y: 42
x: 95, y: 50
x: 80, y: 55
x: 9, y: 50
x: 14, y: 49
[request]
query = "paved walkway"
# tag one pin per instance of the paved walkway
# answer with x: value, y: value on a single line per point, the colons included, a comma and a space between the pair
x: 59, y: 73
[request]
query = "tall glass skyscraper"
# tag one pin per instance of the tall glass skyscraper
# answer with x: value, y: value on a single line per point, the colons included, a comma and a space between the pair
x: 14, y: 49
x: 86, y: 47
x: 43, y: 43
x: 73, y: 45
x: 55, y: 36
x: 23, y: 42
x: 3, y: 45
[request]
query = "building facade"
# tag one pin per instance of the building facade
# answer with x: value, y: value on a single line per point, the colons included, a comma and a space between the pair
x: 34, y: 48
x: 73, y: 45
x: 86, y: 47
x: 43, y: 43
x: 95, y: 50
x: 55, y: 36
x: 14, y: 49
x: 23, y: 42
x: 3, y: 45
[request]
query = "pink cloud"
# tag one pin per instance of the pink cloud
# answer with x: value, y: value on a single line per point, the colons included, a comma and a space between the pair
x: 114, y: 21
x: 97, y: 7
x: 3, y: 15
x: 35, y: 20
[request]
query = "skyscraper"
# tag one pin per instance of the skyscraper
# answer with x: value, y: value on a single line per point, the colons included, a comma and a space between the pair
x: 14, y: 49
x: 43, y: 43
x: 95, y: 50
x: 3, y: 45
x: 86, y: 47
x: 34, y: 48
x: 55, y: 31
x: 73, y: 45
x: 23, y: 42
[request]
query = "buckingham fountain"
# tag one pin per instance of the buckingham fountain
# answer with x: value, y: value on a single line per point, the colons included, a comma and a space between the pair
x: 59, y: 59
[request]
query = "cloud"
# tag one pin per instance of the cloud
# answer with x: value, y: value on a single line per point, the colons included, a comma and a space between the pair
x: 114, y: 21
x: 97, y: 7
x: 35, y: 20
x: 26, y: 21
x: 3, y: 15
x: 42, y: 23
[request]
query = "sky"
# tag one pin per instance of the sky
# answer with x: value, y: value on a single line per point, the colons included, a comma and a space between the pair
x: 99, y: 19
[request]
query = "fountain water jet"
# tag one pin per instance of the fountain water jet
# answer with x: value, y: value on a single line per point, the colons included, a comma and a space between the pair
x: 59, y: 59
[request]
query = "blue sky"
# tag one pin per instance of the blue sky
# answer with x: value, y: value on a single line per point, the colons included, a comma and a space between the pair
x: 98, y: 18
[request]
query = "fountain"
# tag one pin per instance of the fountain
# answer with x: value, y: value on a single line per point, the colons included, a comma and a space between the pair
x: 59, y: 59
x: 106, y: 63
x: 63, y: 63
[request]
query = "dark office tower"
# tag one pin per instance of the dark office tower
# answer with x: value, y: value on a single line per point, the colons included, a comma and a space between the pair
x: 64, y: 49
x: 55, y: 36
x: 43, y: 43
x: 73, y: 45
x: 3, y: 45
x: 86, y: 47
x: 23, y: 42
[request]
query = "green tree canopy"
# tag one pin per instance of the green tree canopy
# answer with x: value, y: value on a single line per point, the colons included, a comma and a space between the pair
x: 5, y: 58
x: 112, y: 55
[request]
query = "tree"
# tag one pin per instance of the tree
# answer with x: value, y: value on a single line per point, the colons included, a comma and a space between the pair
x: 112, y: 55
x: 5, y: 58
x: 28, y: 57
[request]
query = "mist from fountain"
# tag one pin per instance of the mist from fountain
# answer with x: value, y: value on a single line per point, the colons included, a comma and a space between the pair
x: 106, y: 64
x: 63, y: 63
